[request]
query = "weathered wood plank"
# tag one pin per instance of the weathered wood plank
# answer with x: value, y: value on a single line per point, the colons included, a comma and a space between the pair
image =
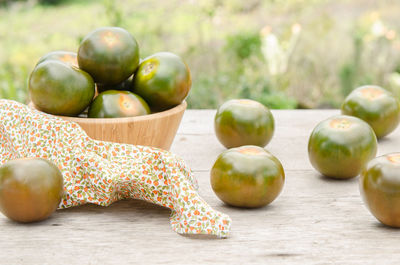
x: 202, y: 121
x: 314, y: 221
x: 289, y: 142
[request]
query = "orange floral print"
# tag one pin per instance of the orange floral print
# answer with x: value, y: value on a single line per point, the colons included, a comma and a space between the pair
x: 103, y: 172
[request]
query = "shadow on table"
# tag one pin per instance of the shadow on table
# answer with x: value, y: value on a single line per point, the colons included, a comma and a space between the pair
x: 131, y: 210
x: 390, y: 229
x: 335, y: 180
x: 225, y: 208
x: 384, y: 140
x: 129, y: 205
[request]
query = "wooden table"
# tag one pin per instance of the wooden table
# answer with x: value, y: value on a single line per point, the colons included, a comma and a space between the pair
x: 315, y: 220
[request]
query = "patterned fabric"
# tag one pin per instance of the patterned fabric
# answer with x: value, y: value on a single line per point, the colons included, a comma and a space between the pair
x: 103, y: 172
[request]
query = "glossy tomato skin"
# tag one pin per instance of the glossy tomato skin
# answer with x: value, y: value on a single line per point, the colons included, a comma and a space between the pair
x: 341, y: 145
x: 60, y: 89
x: 109, y: 54
x: 116, y: 104
x: 30, y: 189
x: 124, y: 86
x: 243, y: 122
x: 163, y: 80
x: 375, y: 105
x: 247, y: 176
x: 380, y: 188
x: 62, y: 56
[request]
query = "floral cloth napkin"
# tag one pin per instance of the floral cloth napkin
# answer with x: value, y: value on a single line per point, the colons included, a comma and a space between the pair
x: 104, y: 172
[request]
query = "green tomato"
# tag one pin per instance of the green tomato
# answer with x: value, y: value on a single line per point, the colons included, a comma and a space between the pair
x: 30, y: 189
x: 375, y: 105
x: 243, y: 122
x: 60, y: 89
x: 109, y: 54
x: 380, y: 188
x: 126, y: 85
x: 341, y: 145
x: 247, y: 176
x: 62, y: 56
x: 115, y: 104
x: 163, y: 80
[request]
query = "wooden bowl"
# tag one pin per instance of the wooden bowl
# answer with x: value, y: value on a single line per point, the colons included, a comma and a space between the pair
x: 157, y: 129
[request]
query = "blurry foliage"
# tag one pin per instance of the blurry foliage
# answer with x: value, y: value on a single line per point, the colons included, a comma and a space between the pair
x: 4, y: 3
x: 41, y: 2
x: 11, y: 80
x: 113, y: 13
x: 50, y: 2
x: 283, y: 53
x: 374, y: 55
x: 243, y: 45
x: 240, y: 73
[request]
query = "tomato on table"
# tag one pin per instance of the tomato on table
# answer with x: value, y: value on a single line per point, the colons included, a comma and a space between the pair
x: 30, y: 189
x: 380, y: 188
x: 375, y: 105
x: 341, y: 145
x: 243, y: 122
x: 247, y: 176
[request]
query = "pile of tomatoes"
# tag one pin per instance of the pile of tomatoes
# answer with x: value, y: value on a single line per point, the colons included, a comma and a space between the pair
x: 107, y: 78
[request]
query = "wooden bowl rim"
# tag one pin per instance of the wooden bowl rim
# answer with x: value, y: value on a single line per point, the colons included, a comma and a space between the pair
x: 177, y: 109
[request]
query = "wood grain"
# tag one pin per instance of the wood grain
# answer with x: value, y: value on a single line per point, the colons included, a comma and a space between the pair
x: 315, y: 220
x: 157, y: 129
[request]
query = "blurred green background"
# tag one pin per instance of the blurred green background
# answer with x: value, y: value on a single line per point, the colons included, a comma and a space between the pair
x: 283, y: 53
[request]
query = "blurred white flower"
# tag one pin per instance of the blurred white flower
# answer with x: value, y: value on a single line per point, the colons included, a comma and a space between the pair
x: 275, y: 52
x: 378, y: 29
x: 394, y: 79
x: 296, y: 28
